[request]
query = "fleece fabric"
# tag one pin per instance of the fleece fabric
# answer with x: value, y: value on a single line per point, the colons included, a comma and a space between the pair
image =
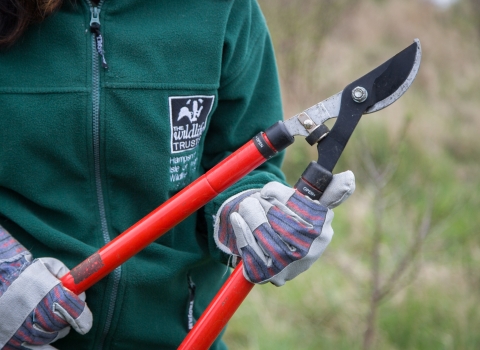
x: 87, y: 151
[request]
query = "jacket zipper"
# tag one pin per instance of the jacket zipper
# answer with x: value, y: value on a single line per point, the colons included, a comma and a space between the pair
x: 97, y: 52
x: 95, y: 29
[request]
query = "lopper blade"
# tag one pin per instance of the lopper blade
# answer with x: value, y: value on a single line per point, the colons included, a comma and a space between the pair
x: 388, y: 82
x: 375, y: 90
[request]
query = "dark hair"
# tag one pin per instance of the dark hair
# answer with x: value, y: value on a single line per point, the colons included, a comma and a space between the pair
x: 17, y: 15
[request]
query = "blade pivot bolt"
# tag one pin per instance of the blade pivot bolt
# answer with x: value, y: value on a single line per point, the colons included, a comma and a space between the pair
x: 359, y: 94
x: 308, y: 124
x: 306, y: 121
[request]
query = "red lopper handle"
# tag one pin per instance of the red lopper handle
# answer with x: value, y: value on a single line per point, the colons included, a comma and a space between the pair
x: 164, y: 218
x: 219, y: 312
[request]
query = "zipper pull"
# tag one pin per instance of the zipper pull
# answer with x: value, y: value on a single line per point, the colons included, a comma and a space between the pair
x: 95, y: 28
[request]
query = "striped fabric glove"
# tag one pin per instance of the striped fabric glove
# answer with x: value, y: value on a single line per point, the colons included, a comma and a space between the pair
x: 277, y: 231
x: 35, y: 310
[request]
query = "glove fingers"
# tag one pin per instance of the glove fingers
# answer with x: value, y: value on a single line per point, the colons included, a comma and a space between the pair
x: 74, y: 311
x: 55, y: 266
x: 222, y: 231
x: 275, y: 246
x: 282, y: 256
x: 252, y: 211
x: 31, y: 333
x: 245, y: 238
x: 341, y: 187
x: 316, y: 250
x: 68, y: 306
x: 276, y: 193
x: 260, y: 231
x: 292, y: 232
x: 255, y: 259
x: 266, y: 255
x: 282, y: 237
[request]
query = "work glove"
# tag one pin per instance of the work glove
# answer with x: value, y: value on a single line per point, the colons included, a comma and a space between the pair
x: 277, y: 231
x: 35, y: 310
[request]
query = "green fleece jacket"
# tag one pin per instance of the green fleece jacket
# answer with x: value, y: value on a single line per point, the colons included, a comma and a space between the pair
x: 87, y: 151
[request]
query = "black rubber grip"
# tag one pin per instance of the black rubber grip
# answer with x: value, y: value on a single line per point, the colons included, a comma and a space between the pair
x: 263, y: 147
x: 314, y: 180
x: 308, y: 190
x: 279, y: 136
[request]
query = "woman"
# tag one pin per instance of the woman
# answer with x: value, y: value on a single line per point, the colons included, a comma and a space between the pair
x: 106, y: 111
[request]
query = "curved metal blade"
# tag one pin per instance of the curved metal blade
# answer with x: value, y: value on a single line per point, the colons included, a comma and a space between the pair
x: 404, y: 87
x: 375, y: 90
x: 389, y: 85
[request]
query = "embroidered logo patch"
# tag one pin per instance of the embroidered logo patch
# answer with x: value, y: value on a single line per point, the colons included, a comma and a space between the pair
x: 188, y: 120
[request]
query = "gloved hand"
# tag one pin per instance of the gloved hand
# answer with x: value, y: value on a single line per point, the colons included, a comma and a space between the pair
x: 277, y: 231
x: 35, y: 310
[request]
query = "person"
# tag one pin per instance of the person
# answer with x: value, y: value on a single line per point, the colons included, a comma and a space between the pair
x: 107, y: 110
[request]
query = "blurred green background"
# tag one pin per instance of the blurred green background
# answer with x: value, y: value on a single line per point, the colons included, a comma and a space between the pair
x: 403, y: 269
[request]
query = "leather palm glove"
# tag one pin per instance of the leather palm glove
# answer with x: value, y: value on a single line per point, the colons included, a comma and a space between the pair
x: 277, y: 231
x: 35, y: 310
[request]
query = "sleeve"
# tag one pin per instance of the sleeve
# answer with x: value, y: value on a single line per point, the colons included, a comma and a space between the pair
x: 248, y: 102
